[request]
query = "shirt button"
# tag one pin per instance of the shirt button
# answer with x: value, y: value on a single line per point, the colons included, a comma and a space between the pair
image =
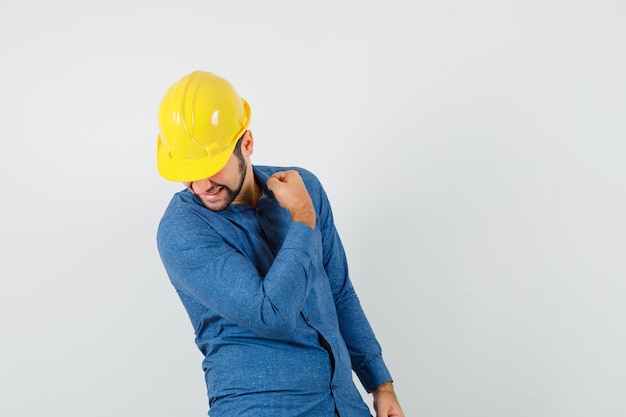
x: 307, y: 319
x: 332, y: 387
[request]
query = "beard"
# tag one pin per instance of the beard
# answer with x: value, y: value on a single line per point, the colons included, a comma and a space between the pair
x: 230, y: 194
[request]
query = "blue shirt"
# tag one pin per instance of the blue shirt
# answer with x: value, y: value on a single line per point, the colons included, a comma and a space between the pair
x: 272, y: 306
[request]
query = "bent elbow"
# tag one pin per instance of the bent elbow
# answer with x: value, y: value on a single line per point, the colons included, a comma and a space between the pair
x: 277, y: 325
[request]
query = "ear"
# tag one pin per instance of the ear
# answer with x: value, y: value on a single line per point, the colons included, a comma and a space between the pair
x: 247, y: 144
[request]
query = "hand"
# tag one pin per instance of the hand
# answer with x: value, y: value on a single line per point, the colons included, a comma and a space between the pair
x: 385, y: 401
x: 291, y: 193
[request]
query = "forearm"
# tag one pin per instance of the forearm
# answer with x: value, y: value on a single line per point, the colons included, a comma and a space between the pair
x: 365, y: 351
x: 268, y: 304
x: 304, y: 215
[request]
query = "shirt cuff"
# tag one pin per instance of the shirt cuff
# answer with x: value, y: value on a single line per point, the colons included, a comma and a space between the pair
x: 302, y: 238
x: 373, y: 374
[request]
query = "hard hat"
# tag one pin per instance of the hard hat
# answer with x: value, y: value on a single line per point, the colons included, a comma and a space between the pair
x: 201, y: 117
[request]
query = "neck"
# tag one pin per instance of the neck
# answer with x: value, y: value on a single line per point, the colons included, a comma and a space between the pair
x: 250, y: 190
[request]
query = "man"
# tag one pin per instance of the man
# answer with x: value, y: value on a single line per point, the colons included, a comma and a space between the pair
x: 257, y: 262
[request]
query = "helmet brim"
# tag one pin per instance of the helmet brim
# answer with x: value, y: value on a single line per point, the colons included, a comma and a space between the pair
x: 189, y: 170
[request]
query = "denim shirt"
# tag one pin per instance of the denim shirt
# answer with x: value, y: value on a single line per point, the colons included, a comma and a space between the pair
x: 272, y: 306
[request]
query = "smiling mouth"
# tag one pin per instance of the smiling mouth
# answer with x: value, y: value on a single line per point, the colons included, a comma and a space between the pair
x: 213, y: 192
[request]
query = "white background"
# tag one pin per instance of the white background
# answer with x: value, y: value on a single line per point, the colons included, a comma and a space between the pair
x: 473, y: 151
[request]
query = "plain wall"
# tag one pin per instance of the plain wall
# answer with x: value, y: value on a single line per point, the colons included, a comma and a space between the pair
x: 473, y: 152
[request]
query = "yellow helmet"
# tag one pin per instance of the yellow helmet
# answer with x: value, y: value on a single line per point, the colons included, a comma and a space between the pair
x: 201, y: 117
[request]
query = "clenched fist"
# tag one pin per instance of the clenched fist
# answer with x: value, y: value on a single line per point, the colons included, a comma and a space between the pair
x: 291, y: 193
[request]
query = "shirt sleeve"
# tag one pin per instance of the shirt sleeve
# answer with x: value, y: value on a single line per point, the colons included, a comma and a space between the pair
x: 267, y: 305
x: 365, y: 351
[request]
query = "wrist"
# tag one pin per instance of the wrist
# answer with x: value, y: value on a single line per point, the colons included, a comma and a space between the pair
x: 384, y: 387
x: 304, y: 216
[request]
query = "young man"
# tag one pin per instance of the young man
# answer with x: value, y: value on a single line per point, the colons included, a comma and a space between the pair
x: 257, y: 262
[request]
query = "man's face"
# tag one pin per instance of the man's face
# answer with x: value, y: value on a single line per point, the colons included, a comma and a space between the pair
x: 220, y: 190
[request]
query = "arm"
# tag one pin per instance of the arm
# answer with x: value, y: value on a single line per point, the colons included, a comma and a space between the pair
x: 202, y: 264
x: 365, y: 351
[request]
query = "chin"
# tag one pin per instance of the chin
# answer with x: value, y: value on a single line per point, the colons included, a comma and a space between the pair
x: 216, y: 207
